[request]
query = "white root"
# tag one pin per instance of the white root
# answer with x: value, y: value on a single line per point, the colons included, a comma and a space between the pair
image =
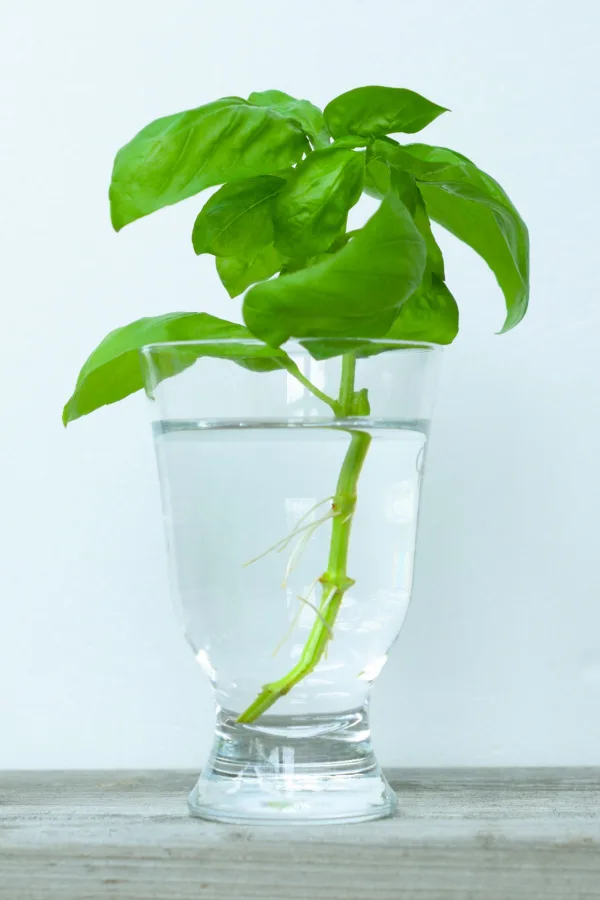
x: 304, y: 531
x: 298, y: 529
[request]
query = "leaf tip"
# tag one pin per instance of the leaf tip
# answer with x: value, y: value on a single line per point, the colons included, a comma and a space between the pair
x: 66, y: 414
x: 116, y: 219
x: 438, y: 111
x: 516, y: 314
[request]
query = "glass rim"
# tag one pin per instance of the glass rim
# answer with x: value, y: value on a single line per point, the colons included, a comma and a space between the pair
x: 428, y: 346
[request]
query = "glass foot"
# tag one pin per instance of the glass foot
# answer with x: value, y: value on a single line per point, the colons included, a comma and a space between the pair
x: 292, y: 769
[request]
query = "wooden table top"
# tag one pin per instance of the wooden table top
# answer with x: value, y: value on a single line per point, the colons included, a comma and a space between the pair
x: 494, y: 834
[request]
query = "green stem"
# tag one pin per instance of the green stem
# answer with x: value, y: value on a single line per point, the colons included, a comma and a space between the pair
x: 347, y: 384
x: 335, y: 579
x: 293, y: 369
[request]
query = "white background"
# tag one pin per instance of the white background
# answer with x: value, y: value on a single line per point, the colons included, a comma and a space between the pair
x: 499, y: 661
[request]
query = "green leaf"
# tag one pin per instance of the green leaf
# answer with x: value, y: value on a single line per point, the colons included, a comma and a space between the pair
x: 430, y: 315
x: 407, y: 157
x: 113, y: 370
x: 308, y: 116
x: 471, y: 205
x: 295, y: 263
x: 351, y: 142
x: 360, y: 403
x: 374, y: 111
x: 238, y: 274
x: 435, y: 259
x: 405, y: 186
x: 238, y: 218
x: 380, y: 179
x: 377, y: 177
x: 178, y: 156
x: 311, y: 210
x: 357, y: 292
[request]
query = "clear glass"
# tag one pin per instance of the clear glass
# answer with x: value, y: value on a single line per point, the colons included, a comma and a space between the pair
x: 290, y: 500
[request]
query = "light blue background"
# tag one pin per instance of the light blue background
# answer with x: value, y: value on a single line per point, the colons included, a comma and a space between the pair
x: 499, y: 661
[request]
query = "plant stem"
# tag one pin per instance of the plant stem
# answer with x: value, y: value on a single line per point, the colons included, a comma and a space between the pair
x: 347, y: 384
x: 293, y: 369
x: 335, y: 579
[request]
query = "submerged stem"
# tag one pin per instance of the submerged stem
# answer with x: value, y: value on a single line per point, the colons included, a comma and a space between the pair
x: 335, y: 580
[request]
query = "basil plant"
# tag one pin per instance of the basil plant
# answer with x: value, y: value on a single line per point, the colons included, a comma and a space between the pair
x: 288, y: 175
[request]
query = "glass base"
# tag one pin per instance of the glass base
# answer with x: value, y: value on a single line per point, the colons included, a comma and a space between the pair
x: 292, y: 769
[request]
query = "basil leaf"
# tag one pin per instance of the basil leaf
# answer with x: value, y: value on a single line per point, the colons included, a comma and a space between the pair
x: 294, y: 264
x: 405, y: 186
x: 380, y: 179
x: 377, y: 177
x: 178, y: 156
x: 238, y: 274
x: 419, y: 159
x: 237, y: 220
x: 431, y: 315
x: 357, y: 292
x: 374, y: 111
x: 113, y: 370
x: 471, y: 205
x: 308, y: 116
x: 311, y: 210
x: 360, y: 403
x: 435, y: 259
x: 385, y: 154
x: 351, y: 142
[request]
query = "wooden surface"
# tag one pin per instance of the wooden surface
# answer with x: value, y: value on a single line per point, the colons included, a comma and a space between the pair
x: 491, y: 834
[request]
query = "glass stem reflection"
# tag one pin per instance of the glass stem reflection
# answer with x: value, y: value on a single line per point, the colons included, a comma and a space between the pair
x: 335, y: 580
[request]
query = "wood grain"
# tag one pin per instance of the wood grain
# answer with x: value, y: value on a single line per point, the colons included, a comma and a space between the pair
x: 498, y: 834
